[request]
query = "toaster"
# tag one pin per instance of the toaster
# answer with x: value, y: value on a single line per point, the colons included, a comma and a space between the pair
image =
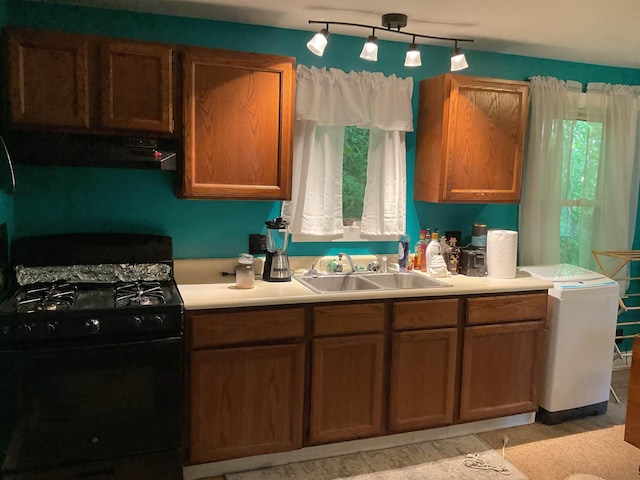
x: 473, y: 262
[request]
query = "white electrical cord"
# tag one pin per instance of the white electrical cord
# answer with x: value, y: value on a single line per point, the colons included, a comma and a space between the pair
x: 473, y: 460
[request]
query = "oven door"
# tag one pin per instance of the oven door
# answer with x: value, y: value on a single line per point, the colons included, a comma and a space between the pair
x: 60, y: 406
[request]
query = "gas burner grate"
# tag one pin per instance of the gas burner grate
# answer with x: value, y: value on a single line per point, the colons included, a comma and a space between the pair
x: 57, y: 296
x: 139, y: 293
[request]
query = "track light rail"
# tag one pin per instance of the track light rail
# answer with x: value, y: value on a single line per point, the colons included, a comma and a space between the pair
x: 388, y: 29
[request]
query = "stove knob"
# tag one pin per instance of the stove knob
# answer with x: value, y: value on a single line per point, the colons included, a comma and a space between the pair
x: 51, y: 327
x: 159, y: 320
x: 28, y: 327
x: 92, y: 326
x: 136, y: 322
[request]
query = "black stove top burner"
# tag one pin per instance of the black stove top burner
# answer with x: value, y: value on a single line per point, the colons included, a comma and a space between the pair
x: 139, y: 293
x: 57, y: 296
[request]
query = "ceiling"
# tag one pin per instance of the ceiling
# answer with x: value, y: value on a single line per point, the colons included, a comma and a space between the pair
x: 588, y: 31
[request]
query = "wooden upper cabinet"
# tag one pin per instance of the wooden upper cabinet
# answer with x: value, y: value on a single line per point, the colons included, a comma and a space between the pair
x: 48, y: 78
x: 470, y: 139
x: 238, y: 124
x: 137, y: 86
x: 87, y: 84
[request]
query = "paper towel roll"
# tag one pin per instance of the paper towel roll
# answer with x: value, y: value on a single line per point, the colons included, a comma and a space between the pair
x: 502, y: 252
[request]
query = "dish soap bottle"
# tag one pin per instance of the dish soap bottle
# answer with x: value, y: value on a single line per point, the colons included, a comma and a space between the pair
x: 432, y: 249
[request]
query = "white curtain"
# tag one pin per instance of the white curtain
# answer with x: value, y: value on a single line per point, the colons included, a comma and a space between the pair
x: 326, y: 102
x: 612, y: 224
x: 540, y: 204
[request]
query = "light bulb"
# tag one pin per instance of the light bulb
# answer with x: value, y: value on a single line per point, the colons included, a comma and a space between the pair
x: 370, y: 49
x: 412, y: 58
x: 319, y: 42
x: 458, y: 60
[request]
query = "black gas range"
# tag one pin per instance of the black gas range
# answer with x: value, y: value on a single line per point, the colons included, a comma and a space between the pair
x: 91, y: 354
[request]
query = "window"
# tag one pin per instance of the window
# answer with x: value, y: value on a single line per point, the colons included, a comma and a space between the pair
x: 581, y: 159
x: 354, y: 173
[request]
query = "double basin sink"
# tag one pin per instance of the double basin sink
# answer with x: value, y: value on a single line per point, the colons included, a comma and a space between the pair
x: 356, y: 282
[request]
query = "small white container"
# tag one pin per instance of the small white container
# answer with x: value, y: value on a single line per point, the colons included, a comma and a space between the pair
x: 245, y: 271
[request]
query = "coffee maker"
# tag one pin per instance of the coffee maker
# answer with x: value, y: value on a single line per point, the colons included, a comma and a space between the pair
x: 276, y: 265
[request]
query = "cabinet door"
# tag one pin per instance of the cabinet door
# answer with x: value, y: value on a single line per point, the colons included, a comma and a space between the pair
x: 137, y: 86
x: 48, y: 79
x: 346, y: 388
x: 245, y: 401
x: 423, y: 371
x: 470, y: 143
x: 238, y: 124
x: 500, y: 370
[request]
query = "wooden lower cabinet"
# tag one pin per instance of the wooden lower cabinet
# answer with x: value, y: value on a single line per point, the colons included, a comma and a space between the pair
x: 500, y: 370
x: 245, y: 401
x: 346, y: 388
x: 423, y: 371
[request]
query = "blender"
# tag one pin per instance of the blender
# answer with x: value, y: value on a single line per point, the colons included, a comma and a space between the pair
x: 276, y: 266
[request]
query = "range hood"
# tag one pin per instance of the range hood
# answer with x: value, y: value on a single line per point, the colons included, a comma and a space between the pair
x: 47, y: 148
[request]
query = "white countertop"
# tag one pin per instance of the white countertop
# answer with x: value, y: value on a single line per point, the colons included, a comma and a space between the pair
x: 202, y: 286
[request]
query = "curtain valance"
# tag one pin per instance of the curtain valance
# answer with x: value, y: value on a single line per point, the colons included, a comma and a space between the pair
x: 364, y: 99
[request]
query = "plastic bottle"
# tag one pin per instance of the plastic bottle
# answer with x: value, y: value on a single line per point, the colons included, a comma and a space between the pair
x: 245, y: 271
x: 453, y: 256
x: 432, y: 249
x: 403, y: 252
x: 419, y: 250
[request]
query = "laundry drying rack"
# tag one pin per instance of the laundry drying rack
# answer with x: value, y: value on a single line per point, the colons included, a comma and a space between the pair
x: 627, y: 302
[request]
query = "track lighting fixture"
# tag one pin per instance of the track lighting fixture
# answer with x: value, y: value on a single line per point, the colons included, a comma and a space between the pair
x: 391, y: 22
x: 458, y: 60
x: 319, y: 41
x: 412, y: 58
x: 370, y: 48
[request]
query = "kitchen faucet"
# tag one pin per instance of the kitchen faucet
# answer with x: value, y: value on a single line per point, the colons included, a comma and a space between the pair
x: 352, y: 264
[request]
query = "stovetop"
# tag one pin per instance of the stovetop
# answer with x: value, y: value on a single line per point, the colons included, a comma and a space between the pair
x: 64, y: 297
x: 49, y: 311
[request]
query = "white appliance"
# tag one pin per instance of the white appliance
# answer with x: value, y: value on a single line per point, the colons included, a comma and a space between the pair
x: 583, y: 311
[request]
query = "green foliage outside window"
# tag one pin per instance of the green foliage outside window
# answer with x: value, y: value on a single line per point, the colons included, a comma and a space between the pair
x: 354, y: 172
x: 579, y: 182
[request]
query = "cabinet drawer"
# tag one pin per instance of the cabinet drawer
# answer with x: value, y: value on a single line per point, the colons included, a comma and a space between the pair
x: 337, y: 319
x: 210, y: 329
x: 506, y: 308
x: 425, y: 314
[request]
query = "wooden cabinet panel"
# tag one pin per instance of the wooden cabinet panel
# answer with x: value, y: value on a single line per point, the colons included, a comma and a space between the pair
x: 423, y: 373
x: 245, y: 401
x: 506, y: 308
x: 137, y: 86
x: 346, y: 388
x: 470, y: 139
x: 48, y: 78
x: 213, y: 328
x: 238, y: 124
x: 88, y: 84
x: 500, y: 370
x: 425, y: 313
x: 337, y: 319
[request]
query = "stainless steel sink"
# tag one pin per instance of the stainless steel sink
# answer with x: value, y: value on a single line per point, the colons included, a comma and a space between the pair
x: 369, y: 281
x: 405, y: 280
x: 337, y: 283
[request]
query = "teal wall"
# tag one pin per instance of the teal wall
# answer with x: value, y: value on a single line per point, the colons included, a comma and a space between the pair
x: 63, y: 199
x: 6, y: 198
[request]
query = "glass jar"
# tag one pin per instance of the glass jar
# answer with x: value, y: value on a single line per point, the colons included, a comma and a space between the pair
x: 245, y: 271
